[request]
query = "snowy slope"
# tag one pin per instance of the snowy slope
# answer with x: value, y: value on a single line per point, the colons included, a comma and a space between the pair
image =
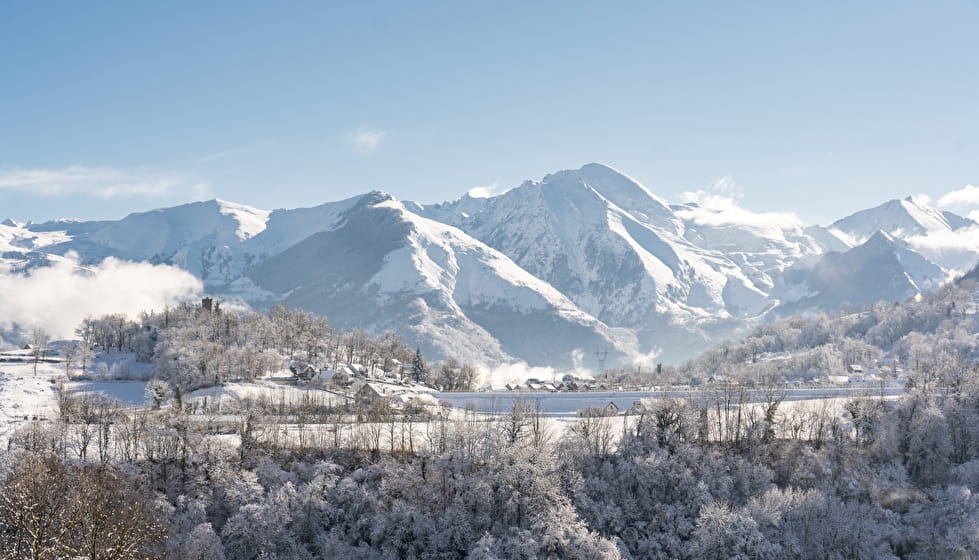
x: 285, y: 228
x: 942, y: 237
x: 22, y: 249
x: 899, y: 218
x: 626, y: 257
x: 25, y: 396
x: 217, y: 241
x: 384, y: 267
x: 203, y: 238
x: 883, y: 268
x: 251, y: 221
x: 760, y: 249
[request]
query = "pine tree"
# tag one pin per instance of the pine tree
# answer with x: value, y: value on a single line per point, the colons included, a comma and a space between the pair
x: 419, y: 369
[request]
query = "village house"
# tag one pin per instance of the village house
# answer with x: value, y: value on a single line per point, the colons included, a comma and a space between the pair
x: 369, y: 394
x: 611, y: 409
x: 303, y: 372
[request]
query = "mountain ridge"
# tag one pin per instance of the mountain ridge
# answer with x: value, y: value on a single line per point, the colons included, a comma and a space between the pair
x: 552, y: 272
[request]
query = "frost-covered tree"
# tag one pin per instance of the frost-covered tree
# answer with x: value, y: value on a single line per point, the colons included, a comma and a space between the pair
x: 51, y: 509
x: 929, y: 446
x: 69, y: 353
x: 158, y: 391
x: 39, y: 345
x: 202, y: 543
x: 724, y: 533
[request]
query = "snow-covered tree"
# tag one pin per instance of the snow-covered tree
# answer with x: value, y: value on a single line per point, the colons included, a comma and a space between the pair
x: 39, y: 345
x: 158, y: 391
x: 419, y: 369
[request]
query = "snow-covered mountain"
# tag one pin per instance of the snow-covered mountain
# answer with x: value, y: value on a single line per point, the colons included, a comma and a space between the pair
x: 382, y: 267
x: 947, y: 239
x: 882, y: 268
x: 198, y: 237
x: 899, y: 218
x: 675, y: 275
x: 581, y: 264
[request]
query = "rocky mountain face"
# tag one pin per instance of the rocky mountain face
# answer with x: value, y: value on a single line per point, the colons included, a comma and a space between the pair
x: 580, y: 269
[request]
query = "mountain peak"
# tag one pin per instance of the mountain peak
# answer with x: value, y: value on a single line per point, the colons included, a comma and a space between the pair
x: 616, y: 187
x: 596, y: 168
x: 374, y: 197
x: 899, y: 218
x: 881, y: 241
x: 917, y: 200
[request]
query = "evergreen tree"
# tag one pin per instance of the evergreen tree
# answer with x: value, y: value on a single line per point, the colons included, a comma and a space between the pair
x: 419, y: 369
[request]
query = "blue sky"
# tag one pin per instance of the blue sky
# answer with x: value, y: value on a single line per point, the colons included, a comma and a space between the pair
x: 819, y: 108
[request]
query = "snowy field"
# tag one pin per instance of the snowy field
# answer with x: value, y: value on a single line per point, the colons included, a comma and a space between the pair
x: 263, y: 389
x: 129, y: 393
x: 23, y: 395
x: 568, y: 404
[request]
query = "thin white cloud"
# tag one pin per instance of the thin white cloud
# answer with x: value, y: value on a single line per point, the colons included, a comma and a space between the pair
x: 716, y: 210
x: 727, y: 185
x: 717, y: 207
x: 954, y: 250
x: 966, y: 239
x: 99, y: 182
x: 57, y: 297
x: 966, y: 196
x: 366, y: 141
x: 486, y: 191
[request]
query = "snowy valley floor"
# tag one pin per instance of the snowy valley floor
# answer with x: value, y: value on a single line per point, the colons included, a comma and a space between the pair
x: 26, y: 396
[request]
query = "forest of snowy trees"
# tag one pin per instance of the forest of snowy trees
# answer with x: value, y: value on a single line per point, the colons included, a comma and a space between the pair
x: 695, y: 478
x: 190, y: 346
x: 932, y: 336
x: 888, y: 479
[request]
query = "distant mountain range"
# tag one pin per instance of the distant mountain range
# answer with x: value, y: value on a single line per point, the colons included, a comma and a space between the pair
x: 581, y: 269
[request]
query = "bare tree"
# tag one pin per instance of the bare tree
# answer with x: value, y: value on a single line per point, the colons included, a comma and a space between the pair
x: 593, y: 429
x: 39, y: 345
x: 35, y: 505
x: 69, y: 354
x: 116, y: 521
